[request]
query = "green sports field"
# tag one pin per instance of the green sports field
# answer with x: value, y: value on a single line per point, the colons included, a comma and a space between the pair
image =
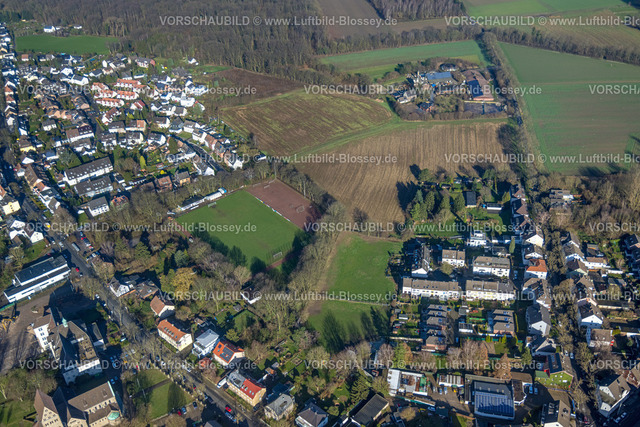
x: 72, y: 44
x: 377, y: 62
x: 241, y: 220
x: 533, y: 7
x: 575, y: 110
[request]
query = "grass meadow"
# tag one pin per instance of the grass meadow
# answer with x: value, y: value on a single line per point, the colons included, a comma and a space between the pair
x: 72, y: 44
x: 576, y: 110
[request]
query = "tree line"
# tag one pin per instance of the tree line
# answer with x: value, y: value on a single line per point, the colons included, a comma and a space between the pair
x: 417, y: 9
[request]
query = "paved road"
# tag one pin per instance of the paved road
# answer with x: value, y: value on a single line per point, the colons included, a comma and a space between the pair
x: 119, y: 313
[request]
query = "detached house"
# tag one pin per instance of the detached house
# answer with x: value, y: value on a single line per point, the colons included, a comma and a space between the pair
x: 537, y: 269
x: 246, y: 388
x: 538, y: 320
x: 162, y: 308
x: 174, y: 335
x: 590, y: 315
x: 611, y: 393
x: 226, y: 353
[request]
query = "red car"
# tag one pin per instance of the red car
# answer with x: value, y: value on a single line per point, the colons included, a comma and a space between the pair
x: 180, y: 412
x: 77, y: 270
x: 228, y: 409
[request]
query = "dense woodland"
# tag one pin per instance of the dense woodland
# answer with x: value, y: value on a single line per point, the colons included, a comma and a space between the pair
x: 417, y: 9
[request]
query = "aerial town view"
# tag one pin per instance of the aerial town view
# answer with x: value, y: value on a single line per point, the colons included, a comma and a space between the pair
x: 320, y: 213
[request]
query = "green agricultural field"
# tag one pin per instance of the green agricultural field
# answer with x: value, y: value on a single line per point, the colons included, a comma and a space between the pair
x: 593, y: 35
x: 571, y: 111
x: 298, y: 121
x: 533, y: 7
x: 376, y: 63
x: 359, y: 268
x: 71, y: 44
x: 240, y: 220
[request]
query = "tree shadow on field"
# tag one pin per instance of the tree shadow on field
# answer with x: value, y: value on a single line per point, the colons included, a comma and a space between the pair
x: 367, y: 326
x: 380, y: 322
x: 257, y: 266
x: 406, y: 193
x: 415, y: 171
x: 333, y: 333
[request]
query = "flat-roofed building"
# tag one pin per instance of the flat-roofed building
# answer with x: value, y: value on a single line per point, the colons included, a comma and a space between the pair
x: 37, y: 277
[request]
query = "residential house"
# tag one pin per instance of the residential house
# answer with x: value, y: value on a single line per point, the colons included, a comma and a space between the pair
x: 599, y: 339
x: 490, y: 290
x: 430, y: 288
x: 540, y: 345
x: 175, y: 336
x: 555, y: 414
x: 538, y: 320
x: 97, y: 206
x: 501, y: 323
x: 226, y: 353
x: 205, y: 343
x: 536, y: 269
x: 494, y: 266
x: 87, y: 171
x: 245, y: 388
x: 280, y: 407
x: 162, y: 307
x: 454, y: 257
x: 537, y: 290
x: 611, y: 393
x: 589, y: 315
x: 312, y: 416
x: 420, y: 259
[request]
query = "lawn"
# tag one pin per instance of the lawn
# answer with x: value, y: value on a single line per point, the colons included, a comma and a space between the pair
x: 12, y: 413
x: 571, y: 113
x: 71, y: 44
x: 165, y: 398
x: 356, y: 275
x: 359, y: 267
x: 559, y: 380
x: 148, y: 378
x: 35, y: 251
x: 240, y: 220
x: 341, y: 323
x: 377, y: 62
x: 533, y: 7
